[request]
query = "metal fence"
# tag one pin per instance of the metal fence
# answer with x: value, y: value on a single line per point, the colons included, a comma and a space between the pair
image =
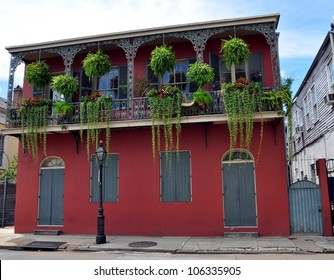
x: 7, y: 203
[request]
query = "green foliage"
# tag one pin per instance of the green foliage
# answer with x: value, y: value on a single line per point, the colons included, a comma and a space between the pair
x: 141, y: 86
x: 200, y: 73
x: 202, y: 97
x: 34, y: 120
x: 163, y: 60
x: 241, y: 100
x: 235, y: 51
x: 96, y: 64
x: 10, y: 172
x: 38, y: 74
x: 94, y: 109
x: 281, y: 99
x: 65, y: 84
x: 165, y: 108
x: 64, y: 108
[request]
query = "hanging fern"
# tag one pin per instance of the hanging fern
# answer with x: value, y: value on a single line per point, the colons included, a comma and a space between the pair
x: 96, y: 64
x: 235, y: 51
x: 38, y: 74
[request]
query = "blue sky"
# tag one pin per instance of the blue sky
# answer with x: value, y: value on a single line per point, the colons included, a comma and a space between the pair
x: 303, y: 24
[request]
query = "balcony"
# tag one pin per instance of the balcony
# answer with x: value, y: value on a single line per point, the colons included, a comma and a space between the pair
x: 136, y: 113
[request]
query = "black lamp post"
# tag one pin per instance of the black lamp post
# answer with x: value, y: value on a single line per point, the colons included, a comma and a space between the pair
x: 101, y: 156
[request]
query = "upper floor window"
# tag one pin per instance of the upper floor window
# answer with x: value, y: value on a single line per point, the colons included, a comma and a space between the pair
x: 115, y: 83
x: 177, y: 77
x: 252, y: 70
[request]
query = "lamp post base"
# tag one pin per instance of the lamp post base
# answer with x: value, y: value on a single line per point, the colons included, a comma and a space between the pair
x: 100, y: 239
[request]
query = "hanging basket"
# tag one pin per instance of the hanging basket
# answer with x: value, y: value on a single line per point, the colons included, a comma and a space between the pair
x: 235, y: 50
x: 65, y: 84
x: 38, y: 74
x: 96, y: 64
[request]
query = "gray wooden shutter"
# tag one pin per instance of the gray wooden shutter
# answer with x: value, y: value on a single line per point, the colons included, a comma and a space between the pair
x: 175, y: 178
x: 192, y: 86
x: 214, y: 63
x: 255, y: 67
x: 57, y: 206
x: 123, y: 80
x: 45, y: 195
x: 239, y: 194
x: 51, y: 197
x: 109, y: 180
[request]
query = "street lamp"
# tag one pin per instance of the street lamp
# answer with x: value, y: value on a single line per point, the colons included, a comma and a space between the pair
x: 101, y: 156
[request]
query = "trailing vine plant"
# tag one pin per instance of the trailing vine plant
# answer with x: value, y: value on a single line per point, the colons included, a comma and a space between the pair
x: 95, y: 108
x: 165, y: 102
x: 241, y: 101
x: 34, y: 120
x: 165, y: 108
x: 280, y: 99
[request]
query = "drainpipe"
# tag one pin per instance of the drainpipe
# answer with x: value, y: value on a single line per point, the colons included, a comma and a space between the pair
x: 331, y: 37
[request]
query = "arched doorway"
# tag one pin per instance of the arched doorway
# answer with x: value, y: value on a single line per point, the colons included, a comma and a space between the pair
x: 239, y: 196
x: 51, y: 192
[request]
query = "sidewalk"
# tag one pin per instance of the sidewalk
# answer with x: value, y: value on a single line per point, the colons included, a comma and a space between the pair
x: 176, y: 245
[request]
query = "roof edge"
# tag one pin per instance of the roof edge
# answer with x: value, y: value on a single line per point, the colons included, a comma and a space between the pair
x: 148, y: 31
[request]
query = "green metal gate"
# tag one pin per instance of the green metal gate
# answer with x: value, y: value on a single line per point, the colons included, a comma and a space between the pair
x: 305, y: 208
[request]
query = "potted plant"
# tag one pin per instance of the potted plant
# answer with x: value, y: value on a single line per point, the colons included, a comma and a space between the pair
x: 65, y: 84
x: 235, y: 51
x: 38, y: 74
x: 202, y: 74
x: 202, y: 97
x: 64, y: 108
x: 96, y: 64
x: 163, y: 60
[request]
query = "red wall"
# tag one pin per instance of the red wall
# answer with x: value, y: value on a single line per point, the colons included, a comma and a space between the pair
x: 139, y: 210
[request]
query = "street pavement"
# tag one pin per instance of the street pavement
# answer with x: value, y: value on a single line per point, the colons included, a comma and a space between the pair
x: 295, y: 244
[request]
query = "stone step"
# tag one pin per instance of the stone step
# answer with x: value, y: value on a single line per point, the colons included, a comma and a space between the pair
x: 47, y: 232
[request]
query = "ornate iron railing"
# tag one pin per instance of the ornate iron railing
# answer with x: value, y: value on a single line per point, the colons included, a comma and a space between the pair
x: 124, y: 110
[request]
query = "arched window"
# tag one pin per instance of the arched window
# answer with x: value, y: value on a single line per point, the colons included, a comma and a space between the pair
x: 52, y: 162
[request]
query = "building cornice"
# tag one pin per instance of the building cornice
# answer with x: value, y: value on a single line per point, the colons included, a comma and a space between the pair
x: 270, y: 18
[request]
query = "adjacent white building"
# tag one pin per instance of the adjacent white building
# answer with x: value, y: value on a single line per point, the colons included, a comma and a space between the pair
x: 313, y: 114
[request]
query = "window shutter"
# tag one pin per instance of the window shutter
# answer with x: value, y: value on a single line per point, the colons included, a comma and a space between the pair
x: 175, y: 177
x: 109, y: 180
x: 255, y: 67
x: 123, y: 81
x: 214, y: 63
x: 192, y: 86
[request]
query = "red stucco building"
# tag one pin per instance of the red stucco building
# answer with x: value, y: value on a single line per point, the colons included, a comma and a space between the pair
x: 209, y: 192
